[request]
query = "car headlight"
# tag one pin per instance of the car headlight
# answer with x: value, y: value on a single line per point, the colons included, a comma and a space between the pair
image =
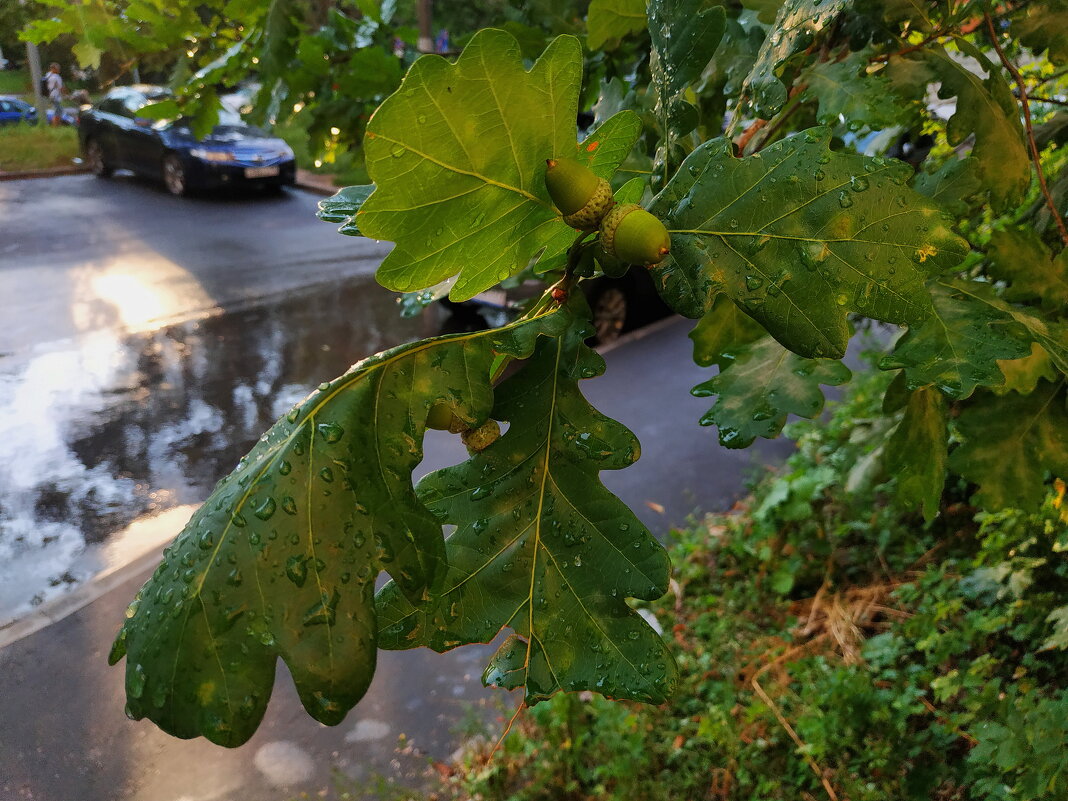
x: 211, y: 155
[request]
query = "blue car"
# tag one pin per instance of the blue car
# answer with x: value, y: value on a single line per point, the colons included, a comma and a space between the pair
x: 14, y: 110
x: 113, y: 136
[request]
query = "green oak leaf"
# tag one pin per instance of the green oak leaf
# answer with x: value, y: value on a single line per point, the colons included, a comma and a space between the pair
x: 1010, y: 443
x: 343, y: 206
x: 543, y: 548
x: 955, y: 186
x: 795, y: 26
x: 987, y: 109
x: 846, y: 92
x: 799, y: 237
x: 684, y: 37
x: 957, y: 348
x: 760, y: 385
x: 610, y: 20
x: 1022, y: 375
x: 1018, y: 256
x: 723, y: 328
x: 766, y: 10
x: 1043, y: 27
x: 916, y: 451
x: 458, y: 154
x: 281, y: 559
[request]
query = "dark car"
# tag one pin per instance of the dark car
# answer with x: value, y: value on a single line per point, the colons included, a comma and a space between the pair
x: 13, y: 111
x: 113, y: 136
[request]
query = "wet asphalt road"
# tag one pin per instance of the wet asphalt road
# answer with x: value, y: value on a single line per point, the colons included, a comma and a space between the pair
x: 147, y: 342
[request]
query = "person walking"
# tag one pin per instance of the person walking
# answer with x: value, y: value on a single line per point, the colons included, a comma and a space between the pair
x: 56, y: 90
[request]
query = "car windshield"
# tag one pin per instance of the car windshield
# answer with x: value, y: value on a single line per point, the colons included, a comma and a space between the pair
x: 230, y: 126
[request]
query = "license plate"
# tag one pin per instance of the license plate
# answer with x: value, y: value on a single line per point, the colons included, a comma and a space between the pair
x: 261, y: 172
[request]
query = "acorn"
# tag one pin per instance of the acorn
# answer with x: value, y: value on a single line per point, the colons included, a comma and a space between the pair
x: 441, y: 417
x: 581, y: 196
x: 480, y: 438
x: 634, y: 236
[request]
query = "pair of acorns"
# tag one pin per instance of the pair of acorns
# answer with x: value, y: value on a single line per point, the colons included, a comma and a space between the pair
x: 628, y: 232
x: 476, y: 438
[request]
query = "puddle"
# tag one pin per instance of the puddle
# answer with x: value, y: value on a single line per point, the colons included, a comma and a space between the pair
x: 102, y: 430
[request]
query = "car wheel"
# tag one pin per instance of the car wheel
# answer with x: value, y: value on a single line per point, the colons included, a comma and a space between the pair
x: 96, y: 160
x: 609, y: 305
x: 174, y: 175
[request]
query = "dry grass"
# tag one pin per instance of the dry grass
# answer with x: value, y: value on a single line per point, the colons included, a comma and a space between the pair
x: 35, y: 147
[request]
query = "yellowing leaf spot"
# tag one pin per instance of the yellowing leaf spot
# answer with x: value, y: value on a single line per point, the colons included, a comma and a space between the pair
x: 205, y: 692
x: 925, y: 251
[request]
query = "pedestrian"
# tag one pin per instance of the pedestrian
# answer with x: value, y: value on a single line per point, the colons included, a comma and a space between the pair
x: 56, y: 90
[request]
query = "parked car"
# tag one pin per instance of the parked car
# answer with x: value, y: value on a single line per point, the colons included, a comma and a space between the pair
x: 14, y: 110
x: 113, y: 136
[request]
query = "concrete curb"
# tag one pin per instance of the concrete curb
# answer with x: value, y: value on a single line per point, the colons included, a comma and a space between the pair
x: 51, y: 172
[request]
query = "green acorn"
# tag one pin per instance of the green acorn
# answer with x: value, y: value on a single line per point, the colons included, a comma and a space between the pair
x: 441, y: 417
x: 634, y: 236
x: 478, y: 439
x: 581, y: 196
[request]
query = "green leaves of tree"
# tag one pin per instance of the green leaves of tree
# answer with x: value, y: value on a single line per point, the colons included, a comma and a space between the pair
x: 684, y: 36
x: 1018, y: 256
x: 798, y: 21
x: 281, y: 559
x: 916, y: 451
x: 458, y: 158
x: 987, y: 109
x: 798, y: 237
x: 958, y: 347
x: 611, y: 20
x: 542, y: 547
x: 760, y: 384
x: 1010, y: 443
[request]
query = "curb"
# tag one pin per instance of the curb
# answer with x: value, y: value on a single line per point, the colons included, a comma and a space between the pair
x: 317, y: 184
x: 51, y: 172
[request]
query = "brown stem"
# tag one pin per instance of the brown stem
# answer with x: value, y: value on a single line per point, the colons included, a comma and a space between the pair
x: 1050, y: 100
x: 1022, y: 88
x: 748, y: 134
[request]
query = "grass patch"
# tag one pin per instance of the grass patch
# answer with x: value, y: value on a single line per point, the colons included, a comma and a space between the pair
x: 14, y: 82
x: 36, y: 147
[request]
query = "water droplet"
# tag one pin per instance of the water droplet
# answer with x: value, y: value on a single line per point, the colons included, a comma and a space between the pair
x: 331, y: 432
x: 733, y: 224
x: 481, y: 492
x: 206, y: 541
x: 285, y: 468
x: 326, y: 474
x: 294, y: 413
x: 845, y: 200
x: 753, y: 282
x: 324, y: 612
x: 858, y: 183
x: 289, y: 506
x: 135, y: 681
x: 841, y: 299
x: 265, y: 509
x: 297, y: 569
x: 819, y: 175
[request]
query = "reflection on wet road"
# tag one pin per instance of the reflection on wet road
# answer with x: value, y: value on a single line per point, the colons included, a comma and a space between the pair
x: 97, y: 432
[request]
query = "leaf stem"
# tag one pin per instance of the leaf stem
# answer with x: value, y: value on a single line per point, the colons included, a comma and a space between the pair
x: 1035, y: 157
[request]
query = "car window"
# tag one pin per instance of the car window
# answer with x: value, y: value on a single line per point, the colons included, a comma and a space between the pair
x: 5, y: 106
x: 132, y: 104
x: 112, y: 105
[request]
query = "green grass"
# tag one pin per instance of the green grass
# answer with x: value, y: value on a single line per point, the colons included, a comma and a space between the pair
x: 14, y: 82
x: 35, y: 147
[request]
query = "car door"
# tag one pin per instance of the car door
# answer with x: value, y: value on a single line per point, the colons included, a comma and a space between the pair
x: 110, y: 122
x: 139, y: 138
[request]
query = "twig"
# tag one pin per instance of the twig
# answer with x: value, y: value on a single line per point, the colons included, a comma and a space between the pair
x: 793, y: 734
x: 1027, y: 124
x: 959, y: 732
x: 1050, y: 100
x: 748, y: 134
x: 507, y: 729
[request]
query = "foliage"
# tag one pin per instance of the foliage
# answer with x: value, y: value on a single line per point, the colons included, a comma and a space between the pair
x: 794, y: 217
x: 901, y: 673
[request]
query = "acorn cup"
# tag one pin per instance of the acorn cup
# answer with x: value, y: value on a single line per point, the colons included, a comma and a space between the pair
x: 634, y: 236
x: 581, y: 196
